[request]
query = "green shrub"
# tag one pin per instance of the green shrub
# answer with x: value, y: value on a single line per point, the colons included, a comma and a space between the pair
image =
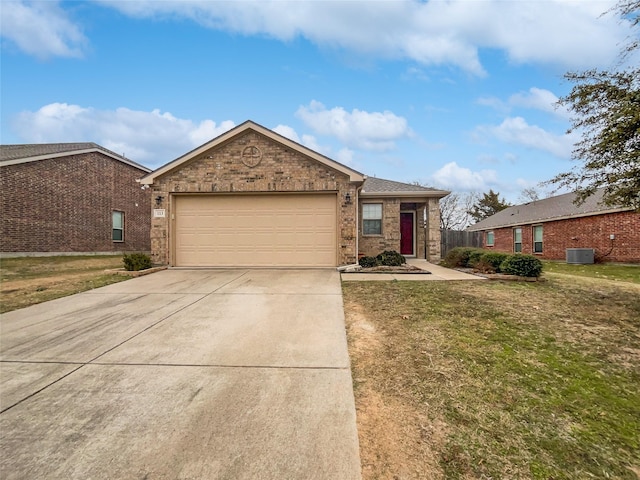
x: 459, y: 257
x: 493, y: 260
x: 474, y: 257
x: 522, y: 265
x: 391, y: 258
x: 368, y: 262
x: 136, y: 261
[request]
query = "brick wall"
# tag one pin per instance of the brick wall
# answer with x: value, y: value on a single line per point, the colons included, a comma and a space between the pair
x: 281, y: 169
x: 583, y: 232
x: 372, y: 245
x: 65, y: 205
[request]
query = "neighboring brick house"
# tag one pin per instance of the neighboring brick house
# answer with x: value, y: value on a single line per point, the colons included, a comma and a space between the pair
x: 549, y: 227
x: 251, y: 197
x: 71, y: 198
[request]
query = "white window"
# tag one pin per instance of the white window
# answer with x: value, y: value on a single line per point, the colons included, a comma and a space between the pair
x: 517, y: 239
x: 372, y: 219
x: 490, y: 239
x: 117, y: 226
x: 537, y: 239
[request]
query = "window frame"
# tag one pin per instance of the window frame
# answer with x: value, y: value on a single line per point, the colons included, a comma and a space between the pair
x: 517, y: 230
x: 115, y: 229
x: 493, y: 238
x: 365, y: 220
x: 541, y: 241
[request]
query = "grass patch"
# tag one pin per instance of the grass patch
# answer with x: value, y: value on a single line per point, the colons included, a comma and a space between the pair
x: 27, y: 281
x: 609, y: 271
x: 496, y: 379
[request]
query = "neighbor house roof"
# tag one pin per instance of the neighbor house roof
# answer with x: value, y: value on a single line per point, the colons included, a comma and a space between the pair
x: 549, y: 209
x: 354, y: 175
x: 379, y: 187
x: 15, y: 154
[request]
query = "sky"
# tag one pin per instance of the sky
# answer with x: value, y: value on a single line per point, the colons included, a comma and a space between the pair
x: 458, y: 94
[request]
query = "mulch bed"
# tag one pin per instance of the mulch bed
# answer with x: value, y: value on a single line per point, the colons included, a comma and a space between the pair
x: 386, y: 269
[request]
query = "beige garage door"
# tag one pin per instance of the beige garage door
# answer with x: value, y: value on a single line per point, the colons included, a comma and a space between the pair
x: 255, y: 230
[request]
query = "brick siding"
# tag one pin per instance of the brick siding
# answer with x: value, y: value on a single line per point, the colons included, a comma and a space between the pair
x: 281, y: 169
x: 65, y: 205
x: 584, y: 232
x: 371, y: 245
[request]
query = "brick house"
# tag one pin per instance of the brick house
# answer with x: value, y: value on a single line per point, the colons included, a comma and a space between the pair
x: 251, y: 197
x: 550, y: 226
x: 71, y: 198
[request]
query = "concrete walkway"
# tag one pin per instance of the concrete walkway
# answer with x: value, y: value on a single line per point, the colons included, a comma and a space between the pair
x: 437, y: 273
x: 182, y: 374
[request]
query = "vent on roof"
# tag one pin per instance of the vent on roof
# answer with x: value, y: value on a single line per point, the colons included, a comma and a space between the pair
x: 580, y: 256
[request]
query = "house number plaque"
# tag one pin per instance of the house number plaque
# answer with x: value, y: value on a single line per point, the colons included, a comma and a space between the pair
x: 251, y: 156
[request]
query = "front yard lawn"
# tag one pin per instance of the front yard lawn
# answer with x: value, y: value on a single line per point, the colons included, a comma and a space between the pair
x: 495, y: 380
x: 26, y: 281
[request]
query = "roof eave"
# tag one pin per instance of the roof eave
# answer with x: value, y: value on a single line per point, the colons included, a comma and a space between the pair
x: 430, y: 194
x: 35, y: 158
x: 551, y: 219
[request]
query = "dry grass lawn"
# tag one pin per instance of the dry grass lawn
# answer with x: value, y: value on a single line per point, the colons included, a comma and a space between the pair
x: 26, y: 281
x: 496, y: 380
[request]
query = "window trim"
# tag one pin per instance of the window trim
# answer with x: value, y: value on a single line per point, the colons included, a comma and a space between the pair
x: 493, y: 238
x: 541, y: 242
x: 515, y: 249
x: 379, y: 234
x: 113, y: 227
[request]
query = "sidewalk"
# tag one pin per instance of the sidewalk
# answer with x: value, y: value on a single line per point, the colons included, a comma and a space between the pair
x: 437, y: 273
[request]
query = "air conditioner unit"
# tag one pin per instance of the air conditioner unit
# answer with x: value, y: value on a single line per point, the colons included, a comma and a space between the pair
x: 580, y: 256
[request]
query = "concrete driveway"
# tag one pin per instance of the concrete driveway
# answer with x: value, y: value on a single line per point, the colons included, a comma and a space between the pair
x: 182, y: 374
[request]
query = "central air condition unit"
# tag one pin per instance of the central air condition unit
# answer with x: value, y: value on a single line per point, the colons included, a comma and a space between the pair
x: 580, y: 256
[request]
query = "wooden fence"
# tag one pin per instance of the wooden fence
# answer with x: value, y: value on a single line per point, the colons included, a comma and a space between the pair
x: 459, y: 238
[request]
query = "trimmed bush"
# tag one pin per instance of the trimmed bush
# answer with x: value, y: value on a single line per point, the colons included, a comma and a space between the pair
x: 368, y: 262
x: 522, y: 265
x: 459, y: 257
x: 391, y: 258
x: 492, y: 260
x: 136, y: 261
x: 474, y: 257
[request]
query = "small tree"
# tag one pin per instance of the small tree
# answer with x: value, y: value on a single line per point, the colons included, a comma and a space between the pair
x: 489, y: 204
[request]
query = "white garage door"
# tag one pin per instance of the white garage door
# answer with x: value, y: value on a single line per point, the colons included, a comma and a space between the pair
x: 255, y: 230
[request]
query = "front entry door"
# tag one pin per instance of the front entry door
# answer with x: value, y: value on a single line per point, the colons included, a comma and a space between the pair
x: 406, y: 233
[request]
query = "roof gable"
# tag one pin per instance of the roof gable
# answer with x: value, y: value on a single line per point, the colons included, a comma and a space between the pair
x: 353, y: 175
x: 548, y: 209
x: 16, y: 154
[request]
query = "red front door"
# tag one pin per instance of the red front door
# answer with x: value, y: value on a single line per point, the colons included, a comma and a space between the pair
x: 406, y: 233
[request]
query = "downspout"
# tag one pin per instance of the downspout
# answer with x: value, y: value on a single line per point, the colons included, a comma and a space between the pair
x: 425, y: 224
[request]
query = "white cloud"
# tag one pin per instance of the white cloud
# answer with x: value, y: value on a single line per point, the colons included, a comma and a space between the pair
x: 454, y: 177
x: 571, y: 34
x: 41, y: 29
x: 516, y: 131
x: 539, y: 99
x: 535, y: 98
x: 151, y: 138
x: 344, y: 155
x: 377, y: 131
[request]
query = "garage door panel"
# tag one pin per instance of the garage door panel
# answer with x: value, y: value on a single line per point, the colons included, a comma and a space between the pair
x: 256, y: 230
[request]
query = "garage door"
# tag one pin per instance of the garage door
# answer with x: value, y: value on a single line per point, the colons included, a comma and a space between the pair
x: 255, y: 230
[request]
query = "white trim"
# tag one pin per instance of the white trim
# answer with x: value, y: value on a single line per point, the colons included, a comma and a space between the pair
x: 17, y: 161
x: 353, y: 175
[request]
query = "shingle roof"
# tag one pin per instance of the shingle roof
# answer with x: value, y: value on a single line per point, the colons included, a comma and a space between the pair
x: 10, y: 154
x: 552, y: 208
x: 373, y: 186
